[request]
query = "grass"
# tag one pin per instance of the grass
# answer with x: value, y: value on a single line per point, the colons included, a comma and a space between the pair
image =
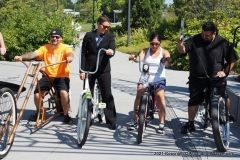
x: 136, y: 49
x: 86, y: 27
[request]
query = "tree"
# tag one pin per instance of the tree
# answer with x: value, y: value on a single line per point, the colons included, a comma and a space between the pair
x: 144, y: 13
x: 26, y: 24
x: 210, y: 9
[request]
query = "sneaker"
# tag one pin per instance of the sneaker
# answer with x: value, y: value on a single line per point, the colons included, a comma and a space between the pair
x: 161, y: 128
x: 226, y: 144
x: 67, y: 119
x: 188, y: 128
x: 99, y: 118
x: 132, y: 126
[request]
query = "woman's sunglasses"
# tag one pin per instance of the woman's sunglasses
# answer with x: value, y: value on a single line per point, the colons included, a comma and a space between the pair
x: 154, y: 44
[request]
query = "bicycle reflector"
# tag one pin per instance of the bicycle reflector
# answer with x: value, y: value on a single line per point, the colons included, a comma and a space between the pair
x: 145, y: 68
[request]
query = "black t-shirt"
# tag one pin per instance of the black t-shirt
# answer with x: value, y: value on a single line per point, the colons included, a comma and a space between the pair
x: 208, y: 57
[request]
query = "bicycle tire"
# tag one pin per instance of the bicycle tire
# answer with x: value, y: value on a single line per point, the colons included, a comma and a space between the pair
x: 7, y: 108
x: 84, y: 121
x: 217, y: 103
x: 142, y: 117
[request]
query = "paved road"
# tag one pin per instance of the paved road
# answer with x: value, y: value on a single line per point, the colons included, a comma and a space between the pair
x: 57, y: 141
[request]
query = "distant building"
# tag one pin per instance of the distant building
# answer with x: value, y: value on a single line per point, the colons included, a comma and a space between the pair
x: 70, y: 11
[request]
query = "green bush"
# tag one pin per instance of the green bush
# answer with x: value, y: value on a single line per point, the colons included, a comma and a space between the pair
x: 25, y: 27
x: 137, y: 36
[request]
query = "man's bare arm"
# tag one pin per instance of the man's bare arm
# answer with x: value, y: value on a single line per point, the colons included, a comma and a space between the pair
x: 25, y: 57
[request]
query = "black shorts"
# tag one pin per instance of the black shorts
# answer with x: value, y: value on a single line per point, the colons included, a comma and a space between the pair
x: 58, y: 84
x: 196, y: 87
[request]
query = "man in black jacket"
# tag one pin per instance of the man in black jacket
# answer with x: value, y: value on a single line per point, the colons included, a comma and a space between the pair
x: 92, y: 42
x: 208, y: 53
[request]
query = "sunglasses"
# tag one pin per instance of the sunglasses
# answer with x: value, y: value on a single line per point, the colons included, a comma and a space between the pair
x: 154, y: 44
x: 57, y: 37
x: 105, y: 27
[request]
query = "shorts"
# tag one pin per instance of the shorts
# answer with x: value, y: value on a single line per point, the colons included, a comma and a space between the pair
x: 58, y: 84
x: 196, y: 88
x: 159, y: 85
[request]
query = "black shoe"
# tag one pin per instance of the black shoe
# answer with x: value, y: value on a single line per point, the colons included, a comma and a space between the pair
x: 99, y: 118
x: 67, y: 119
x: 231, y: 118
x: 206, y: 124
x: 188, y: 128
x: 33, y: 117
x: 112, y: 127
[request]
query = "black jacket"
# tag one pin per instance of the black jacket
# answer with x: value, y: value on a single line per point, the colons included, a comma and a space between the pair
x: 90, y: 51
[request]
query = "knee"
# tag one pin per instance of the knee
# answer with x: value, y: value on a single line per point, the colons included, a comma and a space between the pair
x: 63, y: 94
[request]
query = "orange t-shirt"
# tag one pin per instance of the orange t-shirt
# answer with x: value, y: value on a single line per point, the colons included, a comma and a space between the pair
x: 51, y: 55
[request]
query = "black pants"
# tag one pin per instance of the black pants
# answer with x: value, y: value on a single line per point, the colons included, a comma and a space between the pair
x: 104, y: 81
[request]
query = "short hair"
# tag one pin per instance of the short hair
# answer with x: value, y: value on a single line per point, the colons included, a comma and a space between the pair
x: 155, y: 35
x: 103, y: 19
x: 210, y: 26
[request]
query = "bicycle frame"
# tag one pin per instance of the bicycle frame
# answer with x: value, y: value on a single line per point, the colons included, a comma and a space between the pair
x: 33, y: 69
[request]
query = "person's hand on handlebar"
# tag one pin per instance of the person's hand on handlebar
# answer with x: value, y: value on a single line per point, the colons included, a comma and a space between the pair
x: 221, y: 74
x: 133, y: 58
x: 110, y: 52
x: 82, y: 76
x: 18, y: 58
x: 69, y: 59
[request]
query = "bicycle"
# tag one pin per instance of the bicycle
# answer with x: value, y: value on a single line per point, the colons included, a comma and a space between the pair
x: 147, y: 106
x: 90, y: 107
x: 214, y: 109
x: 11, y: 115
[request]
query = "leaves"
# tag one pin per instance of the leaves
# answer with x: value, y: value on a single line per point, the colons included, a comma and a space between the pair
x: 26, y: 24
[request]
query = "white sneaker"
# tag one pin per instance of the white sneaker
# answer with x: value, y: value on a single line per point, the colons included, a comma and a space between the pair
x: 161, y: 129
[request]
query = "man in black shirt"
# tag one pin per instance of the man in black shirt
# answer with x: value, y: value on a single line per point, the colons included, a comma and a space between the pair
x: 208, y: 55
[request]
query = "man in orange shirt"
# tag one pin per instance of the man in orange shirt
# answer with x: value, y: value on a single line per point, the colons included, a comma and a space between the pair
x: 53, y: 52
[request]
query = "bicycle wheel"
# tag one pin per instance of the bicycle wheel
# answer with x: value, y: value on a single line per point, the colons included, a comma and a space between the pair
x: 142, y: 117
x: 8, y: 116
x: 84, y: 120
x: 220, y: 129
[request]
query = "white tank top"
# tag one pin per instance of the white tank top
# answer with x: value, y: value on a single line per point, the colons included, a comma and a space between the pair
x: 156, y: 68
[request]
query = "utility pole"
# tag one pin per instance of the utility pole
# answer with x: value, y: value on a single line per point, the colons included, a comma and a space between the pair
x: 93, y: 21
x: 129, y: 28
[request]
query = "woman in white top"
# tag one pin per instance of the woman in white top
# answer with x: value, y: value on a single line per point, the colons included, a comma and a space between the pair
x: 156, y: 57
x: 2, y: 45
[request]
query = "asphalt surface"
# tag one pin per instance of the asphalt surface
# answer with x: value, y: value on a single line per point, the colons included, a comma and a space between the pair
x: 57, y: 141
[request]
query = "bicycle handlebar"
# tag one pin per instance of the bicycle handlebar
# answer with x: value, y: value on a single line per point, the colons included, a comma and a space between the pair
x: 97, y: 63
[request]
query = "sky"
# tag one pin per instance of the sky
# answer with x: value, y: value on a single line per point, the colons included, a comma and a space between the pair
x: 168, y: 1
